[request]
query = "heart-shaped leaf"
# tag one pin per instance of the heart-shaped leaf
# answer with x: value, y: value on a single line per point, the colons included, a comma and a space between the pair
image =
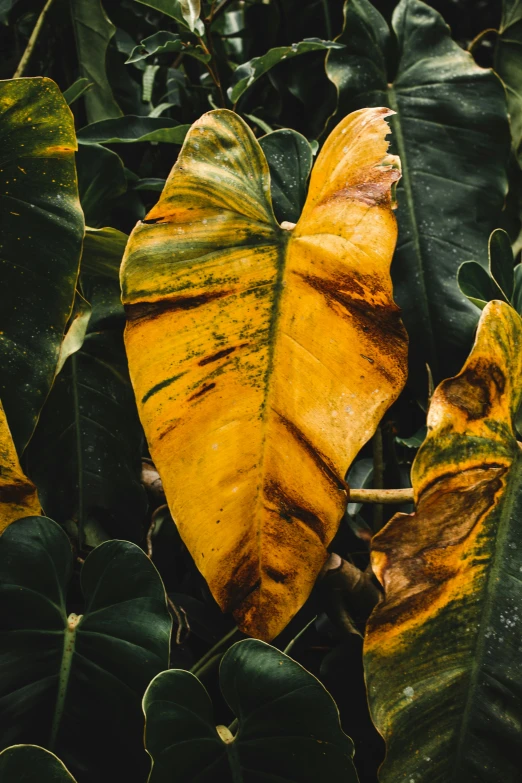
x: 288, y: 725
x: 263, y: 358
x: 32, y: 764
x: 42, y: 231
x: 289, y: 157
x: 72, y: 681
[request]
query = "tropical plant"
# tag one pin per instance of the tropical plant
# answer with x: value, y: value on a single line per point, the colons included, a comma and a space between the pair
x: 246, y: 248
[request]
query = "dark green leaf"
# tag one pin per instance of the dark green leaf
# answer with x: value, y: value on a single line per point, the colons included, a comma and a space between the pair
x: 150, y: 183
x: 76, y: 90
x: 129, y: 129
x: 477, y: 285
x: 73, y: 682
x: 288, y: 724
x: 517, y: 294
x: 451, y: 132
x: 101, y: 180
x: 250, y: 72
x: 165, y: 42
x: 508, y: 65
x: 414, y: 441
x: 289, y: 157
x: 93, y: 31
x: 102, y: 252
x: 32, y: 764
x: 42, y: 230
x: 501, y: 264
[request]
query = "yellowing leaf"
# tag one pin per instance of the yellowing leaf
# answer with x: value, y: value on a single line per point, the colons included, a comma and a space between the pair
x: 263, y: 358
x: 18, y: 496
x: 442, y: 653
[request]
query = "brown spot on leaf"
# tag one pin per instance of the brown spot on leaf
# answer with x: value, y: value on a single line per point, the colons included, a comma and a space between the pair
x: 149, y: 310
x: 474, y: 390
x: 204, y: 389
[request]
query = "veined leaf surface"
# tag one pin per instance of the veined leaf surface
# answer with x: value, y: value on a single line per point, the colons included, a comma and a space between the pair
x: 262, y: 358
x: 443, y: 649
x: 41, y: 228
x: 18, y: 496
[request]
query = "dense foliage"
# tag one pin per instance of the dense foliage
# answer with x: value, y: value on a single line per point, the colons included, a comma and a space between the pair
x: 108, y: 605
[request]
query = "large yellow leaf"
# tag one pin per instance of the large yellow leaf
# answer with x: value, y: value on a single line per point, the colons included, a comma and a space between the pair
x: 18, y: 496
x: 442, y: 653
x: 263, y: 358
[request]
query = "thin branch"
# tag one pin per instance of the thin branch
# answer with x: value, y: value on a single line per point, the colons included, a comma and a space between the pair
x: 32, y: 41
x: 386, y: 496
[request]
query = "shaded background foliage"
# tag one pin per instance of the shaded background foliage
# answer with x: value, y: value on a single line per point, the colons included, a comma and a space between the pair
x: 133, y: 116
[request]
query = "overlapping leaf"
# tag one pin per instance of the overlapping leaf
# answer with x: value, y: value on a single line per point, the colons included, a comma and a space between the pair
x: 73, y: 682
x: 443, y: 649
x: 32, y: 764
x: 288, y: 725
x: 263, y: 359
x: 451, y: 132
x: 41, y: 237
x: 18, y: 496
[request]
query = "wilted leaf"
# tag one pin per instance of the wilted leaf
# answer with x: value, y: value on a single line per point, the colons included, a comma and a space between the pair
x: 73, y: 682
x: 18, y: 496
x: 32, y: 764
x: 248, y: 73
x: 289, y: 158
x: 42, y: 231
x: 451, y: 132
x: 129, y: 129
x: 443, y: 649
x: 262, y: 359
x: 288, y: 724
x: 165, y: 42
x: 93, y: 31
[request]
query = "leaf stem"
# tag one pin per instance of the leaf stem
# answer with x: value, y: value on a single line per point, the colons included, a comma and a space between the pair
x: 220, y: 645
x: 32, y: 41
x: 478, y: 38
x: 386, y: 496
x: 69, y: 642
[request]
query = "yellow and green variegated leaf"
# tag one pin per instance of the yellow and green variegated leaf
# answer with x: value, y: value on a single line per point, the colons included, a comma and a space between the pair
x: 18, y: 496
x: 442, y: 653
x: 263, y: 357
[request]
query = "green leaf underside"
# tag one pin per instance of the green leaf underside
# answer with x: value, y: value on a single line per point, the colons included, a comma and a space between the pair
x: 288, y: 724
x: 451, y: 132
x: 93, y: 31
x: 130, y: 129
x: 32, y: 764
x: 40, y: 245
x: 248, y: 73
x: 82, y: 678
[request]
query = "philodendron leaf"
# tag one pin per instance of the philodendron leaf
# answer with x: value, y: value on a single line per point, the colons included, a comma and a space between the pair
x: 130, y: 129
x: 443, y: 649
x: 72, y: 682
x: 18, y: 496
x: 481, y: 286
x: 263, y: 358
x: 288, y: 724
x: 248, y: 73
x: 165, y: 42
x: 289, y: 157
x: 41, y: 227
x: 508, y: 65
x: 93, y: 31
x: 451, y: 132
x: 32, y: 764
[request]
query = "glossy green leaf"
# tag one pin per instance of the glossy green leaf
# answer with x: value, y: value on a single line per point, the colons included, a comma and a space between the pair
x: 40, y: 244
x: 177, y: 9
x: 251, y: 71
x: 289, y: 158
x: 76, y: 90
x: 165, y: 42
x: 129, y: 129
x: 93, y: 31
x: 32, y: 764
x: 89, y: 433
x: 508, y: 65
x: 451, y: 132
x: 72, y: 682
x: 101, y: 180
x: 517, y: 294
x: 477, y: 285
x: 501, y: 264
x: 190, y: 10
x: 288, y: 724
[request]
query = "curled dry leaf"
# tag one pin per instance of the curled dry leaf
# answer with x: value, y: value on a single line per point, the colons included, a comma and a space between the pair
x: 263, y: 358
